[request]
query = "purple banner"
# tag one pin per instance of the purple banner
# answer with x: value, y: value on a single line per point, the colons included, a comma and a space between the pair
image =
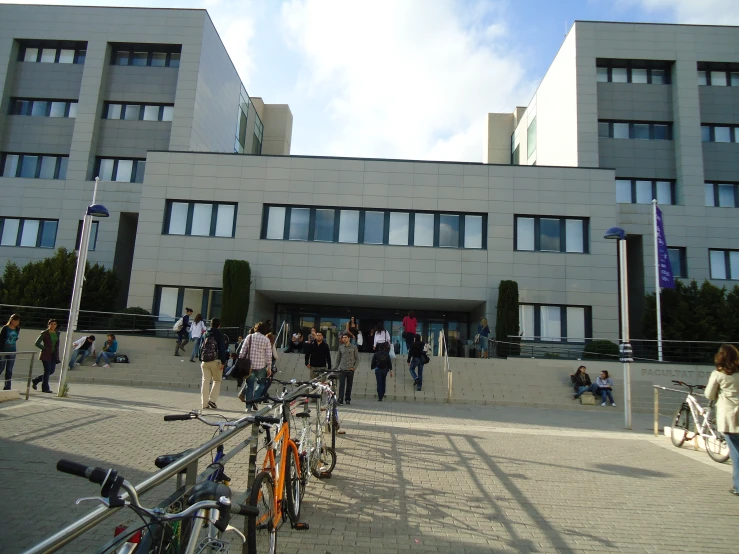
x: 666, y: 280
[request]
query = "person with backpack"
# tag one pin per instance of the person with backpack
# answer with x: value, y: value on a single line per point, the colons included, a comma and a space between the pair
x: 213, y: 358
x: 382, y: 337
x: 183, y: 331
x: 382, y: 365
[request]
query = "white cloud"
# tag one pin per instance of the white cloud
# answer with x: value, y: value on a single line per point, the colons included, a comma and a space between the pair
x: 410, y: 79
x: 708, y: 12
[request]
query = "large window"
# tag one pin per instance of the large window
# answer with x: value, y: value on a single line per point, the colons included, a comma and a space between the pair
x: 539, y: 322
x: 720, y: 133
x: 642, y: 130
x: 722, y: 195
x: 551, y: 234
x: 202, y: 219
x: 35, y: 51
x: 724, y: 264
x: 531, y: 138
x: 146, y: 55
x: 643, y: 191
x: 678, y: 260
x: 33, y: 233
x: 93, y: 236
x: 170, y: 303
x: 718, y: 74
x: 633, y: 71
x: 43, y: 108
x: 33, y: 166
x: 142, y: 112
x: 256, y: 145
x: 241, y: 118
x: 120, y: 169
x: 398, y: 228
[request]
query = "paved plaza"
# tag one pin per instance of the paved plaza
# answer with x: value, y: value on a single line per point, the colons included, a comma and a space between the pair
x: 410, y: 476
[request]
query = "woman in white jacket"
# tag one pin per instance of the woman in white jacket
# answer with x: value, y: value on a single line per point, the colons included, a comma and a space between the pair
x: 196, y: 332
x: 723, y: 386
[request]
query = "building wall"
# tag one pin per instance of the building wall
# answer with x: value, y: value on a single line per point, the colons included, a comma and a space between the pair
x: 278, y: 129
x: 500, y: 127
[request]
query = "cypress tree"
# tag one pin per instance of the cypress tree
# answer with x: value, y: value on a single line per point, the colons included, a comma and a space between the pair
x: 507, y: 323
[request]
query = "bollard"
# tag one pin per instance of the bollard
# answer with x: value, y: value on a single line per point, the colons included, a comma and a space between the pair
x: 30, y: 376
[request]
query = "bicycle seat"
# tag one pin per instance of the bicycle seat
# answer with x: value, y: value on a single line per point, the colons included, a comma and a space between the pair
x: 165, y: 459
x: 208, y: 490
x: 302, y: 414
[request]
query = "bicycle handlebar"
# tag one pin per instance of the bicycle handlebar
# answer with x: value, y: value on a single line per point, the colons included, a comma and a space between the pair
x: 684, y: 384
x: 178, y: 417
x: 226, y: 423
x: 95, y: 475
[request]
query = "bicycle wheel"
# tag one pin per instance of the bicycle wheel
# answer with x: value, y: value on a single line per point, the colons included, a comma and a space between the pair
x: 293, y: 483
x: 680, y: 426
x: 262, y: 536
x: 323, y: 460
x: 717, y: 448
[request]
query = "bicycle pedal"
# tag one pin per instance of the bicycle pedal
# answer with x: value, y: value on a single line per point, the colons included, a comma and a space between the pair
x: 325, y: 475
x: 301, y: 526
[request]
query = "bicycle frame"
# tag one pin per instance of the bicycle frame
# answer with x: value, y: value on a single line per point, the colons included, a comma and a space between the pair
x: 701, y: 423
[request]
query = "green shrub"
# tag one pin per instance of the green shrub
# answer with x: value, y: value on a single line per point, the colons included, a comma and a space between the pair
x: 120, y: 323
x: 236, y: 287
x: 506, y: 323
x: 601, y: 350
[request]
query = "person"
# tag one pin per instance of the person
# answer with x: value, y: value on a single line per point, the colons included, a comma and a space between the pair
x: 346, y: 360
x: 416, y: 354
x: 318, y: 357
x: 230, y: 364
x: 581, y: 382
x: 259, y: 350
x: 381, y: 337
x: 239, y: 343
x: 604, y: 387
x: 410, y: 323
x: 84, y: 347
x: 483, y: 332
x: 48, y: 343
x: 723, y: 387
x: 109, y: 350
x: 196, y: 332
x: 312, y: 336
x: 263, y: 388
x: 212, y: 369
x: 296, y: 343
x: 8, y: 339
x: 382, y: 365
x: 352, y: 329
x: 183, y: 335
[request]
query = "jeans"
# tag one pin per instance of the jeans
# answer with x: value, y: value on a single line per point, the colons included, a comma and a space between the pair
x: 606, y: 392
x: 586, y: 388
x: 196, y: 347
x: 182, y: 340
x: 381, y: 376
x: 732, y: 441
x: 6, y: 364
x: 417, y: 363
x: 75, y: 355
x: 49, y: 368
x: 257, y: 377
x: 107, y: 355
x: 346, y: 379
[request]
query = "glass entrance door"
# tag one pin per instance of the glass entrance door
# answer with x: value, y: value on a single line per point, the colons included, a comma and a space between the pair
x: 432, y: 337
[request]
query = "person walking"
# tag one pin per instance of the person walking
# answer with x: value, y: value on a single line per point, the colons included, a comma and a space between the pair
x: 48, y: 343
x: 346, y: 361
x: 381, y: 337
x: 410, y: 324
x: 604, y: 387
x: 109, y: 351
x: 382, y: 365
x: 581, y: 382
x: 416, y: 354
x: 183, y: 333
x: 258, y: 349
x: 214, y: 355
x: 197, y: 329
x: 352, y: 329
x: 84, y: 346
x: 723, y: 387
x: 8, y: 339
x: 483, y: 332
x: 317, y: 357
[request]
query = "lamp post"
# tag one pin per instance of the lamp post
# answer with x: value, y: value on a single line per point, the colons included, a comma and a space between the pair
x: 93, y: 210
x: 625, y: 349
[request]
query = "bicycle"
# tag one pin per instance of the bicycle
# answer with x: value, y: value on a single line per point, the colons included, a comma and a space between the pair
x: 702, y: 420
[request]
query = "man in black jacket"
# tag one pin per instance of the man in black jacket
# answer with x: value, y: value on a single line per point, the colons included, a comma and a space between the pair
x: 212, y: 368
x: 415, y: 361
x: 317, y: 356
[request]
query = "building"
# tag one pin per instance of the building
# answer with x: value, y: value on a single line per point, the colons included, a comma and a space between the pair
x: 659, y: 104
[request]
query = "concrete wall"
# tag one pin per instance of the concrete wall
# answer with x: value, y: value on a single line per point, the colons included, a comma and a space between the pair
x: 719, y: 104
x: 278, y: 129
x: 500, y: 127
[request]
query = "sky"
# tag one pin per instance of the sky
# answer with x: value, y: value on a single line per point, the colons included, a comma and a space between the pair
x: 406, y: 79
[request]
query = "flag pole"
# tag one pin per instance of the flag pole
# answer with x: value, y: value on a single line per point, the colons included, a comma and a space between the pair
x: 656, y: 282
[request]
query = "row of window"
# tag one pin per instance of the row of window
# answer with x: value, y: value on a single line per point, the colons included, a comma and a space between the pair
x: 201, y: 219
x: 43, y: 108
x: 357, y: 226
x: 127, y: 170
x: 140, y: 112
x: 143, y: 55
x: 170, y: 302
x: 650, y: 76
x: 718, y: 78
x: 551, y: 234
x: 32, y: 233
x: 719, y: 133
x: 724, y: 264
x: 722, y: 195
x: 52, y: 54
x: 643, y: 191
x: 34, y: 166
x: 634, y: 130
x: 555, y: 323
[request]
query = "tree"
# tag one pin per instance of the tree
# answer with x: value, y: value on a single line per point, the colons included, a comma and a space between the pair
x: 507, y: 323
x: 236, y: 288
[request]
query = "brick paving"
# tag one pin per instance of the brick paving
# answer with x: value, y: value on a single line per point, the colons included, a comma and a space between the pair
x: 410, y: 476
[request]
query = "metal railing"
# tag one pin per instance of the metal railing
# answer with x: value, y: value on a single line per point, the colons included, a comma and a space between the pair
x: 19, y: 356
x: 444, y: 354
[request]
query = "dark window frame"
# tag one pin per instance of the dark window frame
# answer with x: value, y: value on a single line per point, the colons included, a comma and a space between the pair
x: 683, y: 257
x: 727, y: 263
x: 79, y: 47
x: 673, y: 189
x: 588, y: 323
x: 39, y: 233
x: 141, y: 106
x: 21, y: 155
x: 652, y: 127
x: 28, y: 109
x: 715, y: 185
x: 733, y: 129
x: 137, y: 162
x: 726, y: 67
x: 629, y: 65
x: 150, y: 49
x: 191, y: 210
x: 562, y: 233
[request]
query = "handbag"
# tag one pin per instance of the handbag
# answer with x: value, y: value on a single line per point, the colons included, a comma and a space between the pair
x: 243, y: 363
x: 426, y: 359
x: 360, y: 339
x: 392, y: 353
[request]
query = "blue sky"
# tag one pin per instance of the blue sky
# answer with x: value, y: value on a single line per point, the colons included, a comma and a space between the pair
x: 406, y: 78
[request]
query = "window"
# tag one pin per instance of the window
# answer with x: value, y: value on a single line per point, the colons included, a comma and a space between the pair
x: 120, y: 169
x: 724, y: 264
x: 374, y: 227
x: 241, y: 118
x: 34, y: 166
x: 449, y: 231
x: 32, y: 233
x: 719, y: 133
x: 472, y: 231
x: 35, y: 51
x: 43, y: 108
x: 718, y: 74
x: 299, y: 226
x: 142, y: 112
x: 722, y: 195
x: 643, y: 191
x: 651, y: 72
x: 398, y: 233
x: 531, y: 138
x: 275, y: 222
x: 93, y: 236
x: 634, y: 130
x: 551, y: 234
x: 423, y: 230
x: 348, y: 226
x: 143, y: 55
x: 553, y: 323
x: 324, y: 229
x: 170, y: 302
x: 678, y: 262
x: 256, y: 145
x: 203, y: 219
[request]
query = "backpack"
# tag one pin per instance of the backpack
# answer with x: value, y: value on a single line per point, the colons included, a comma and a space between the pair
x: 209, y: 349
x: 383, y: 360
x: 121, y: 359
x: 178, y: 326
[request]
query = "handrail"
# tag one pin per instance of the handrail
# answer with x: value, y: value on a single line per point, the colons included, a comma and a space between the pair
x: 277, y: 338
x: 444, y: 351
x: 69, y: 533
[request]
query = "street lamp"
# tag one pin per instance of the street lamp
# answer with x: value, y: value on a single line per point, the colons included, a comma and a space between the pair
x: 616, y: 233
x: 93, y: 210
